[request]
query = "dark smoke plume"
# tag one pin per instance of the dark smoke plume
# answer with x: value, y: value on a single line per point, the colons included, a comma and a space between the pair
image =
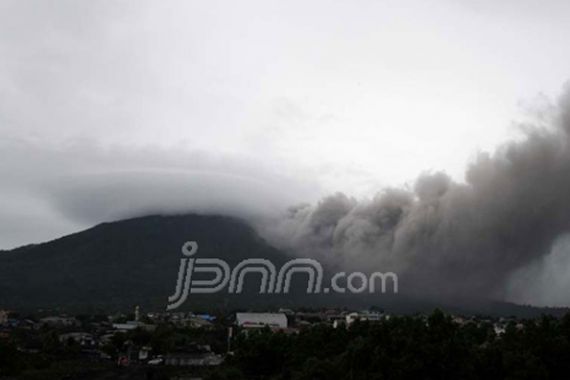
x: 446, y: 237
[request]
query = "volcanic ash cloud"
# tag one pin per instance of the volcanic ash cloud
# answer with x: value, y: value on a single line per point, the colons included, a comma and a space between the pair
x: 447, y: 237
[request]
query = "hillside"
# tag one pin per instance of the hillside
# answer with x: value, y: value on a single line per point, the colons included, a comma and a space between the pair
x: 121, y: 264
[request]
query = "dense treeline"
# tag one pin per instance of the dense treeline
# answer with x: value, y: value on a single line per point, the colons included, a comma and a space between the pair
x: 406, y: 348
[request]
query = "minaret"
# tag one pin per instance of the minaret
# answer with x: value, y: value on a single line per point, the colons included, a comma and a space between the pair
x: 137, y: 314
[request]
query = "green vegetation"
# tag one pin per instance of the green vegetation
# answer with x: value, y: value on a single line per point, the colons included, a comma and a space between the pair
x: 406, y: 348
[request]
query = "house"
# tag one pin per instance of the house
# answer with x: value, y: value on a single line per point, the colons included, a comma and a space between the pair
x: 195, y: 322
x: 372, y: 316
x: 260, y: 320
x: 205, y: 317
x: 133, y: 325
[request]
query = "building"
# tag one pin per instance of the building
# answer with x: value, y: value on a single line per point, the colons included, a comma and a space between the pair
x: 260, y: 320
x: 133, y: 325
x: 371, y: 316
x: 199, y: 323
x: 130, y: 325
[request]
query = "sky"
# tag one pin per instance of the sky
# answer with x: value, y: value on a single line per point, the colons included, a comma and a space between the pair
x: 114, y: 109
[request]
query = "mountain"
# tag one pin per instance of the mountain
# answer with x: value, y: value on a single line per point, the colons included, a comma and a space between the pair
x: 121, y: 264
x: 115, y: 266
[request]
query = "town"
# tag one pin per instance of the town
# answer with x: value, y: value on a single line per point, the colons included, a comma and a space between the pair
x: 200, y: 345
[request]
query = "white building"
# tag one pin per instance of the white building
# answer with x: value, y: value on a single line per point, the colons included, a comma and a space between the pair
x: 371, y: 316
x: 260, y: 320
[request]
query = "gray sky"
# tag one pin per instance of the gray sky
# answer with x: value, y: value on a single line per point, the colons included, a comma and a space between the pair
x: 113, y: 109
